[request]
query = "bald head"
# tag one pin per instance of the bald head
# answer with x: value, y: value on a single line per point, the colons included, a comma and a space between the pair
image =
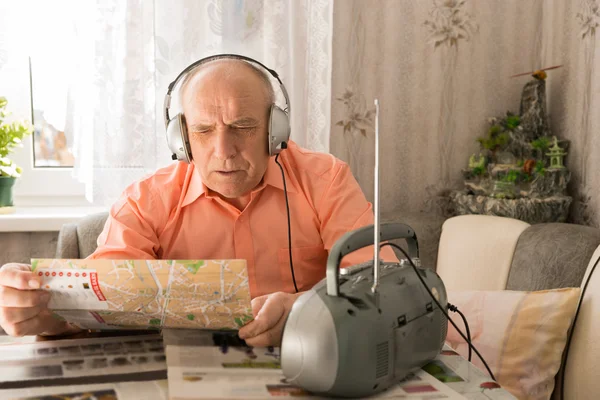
x: 228, y: 69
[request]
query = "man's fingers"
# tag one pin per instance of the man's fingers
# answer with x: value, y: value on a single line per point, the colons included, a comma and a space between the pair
x: 13, y: 315
x: 253, y: 328
x: 18, y: 266
x: 271, y: 337
x: 10, y: 297
x: 33, y: 326
x: 19, y: 276
x: 258, y: 303
x: 268, y: 316
x: 265, y: 339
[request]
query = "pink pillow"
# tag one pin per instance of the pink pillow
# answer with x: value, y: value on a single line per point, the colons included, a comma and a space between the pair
x: 521, y: 335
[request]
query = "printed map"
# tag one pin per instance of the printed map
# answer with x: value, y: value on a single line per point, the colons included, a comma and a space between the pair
x: 191, y: 294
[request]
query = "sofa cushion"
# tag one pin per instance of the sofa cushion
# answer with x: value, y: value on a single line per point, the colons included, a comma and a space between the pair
x: 521, y: 335
x: 476, y: 251
x: 553, y: 255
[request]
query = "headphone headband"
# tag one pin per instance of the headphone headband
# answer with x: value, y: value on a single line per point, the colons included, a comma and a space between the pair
x: 205, y: 60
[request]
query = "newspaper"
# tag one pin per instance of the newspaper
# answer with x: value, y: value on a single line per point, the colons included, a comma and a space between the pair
x: 147, y: 294
x: 215, y: 366
x: 465, y: 378
x: 95, y: 359
x: 151, y: 390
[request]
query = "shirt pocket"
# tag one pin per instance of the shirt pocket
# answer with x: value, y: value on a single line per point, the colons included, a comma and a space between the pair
x: 309, y: 266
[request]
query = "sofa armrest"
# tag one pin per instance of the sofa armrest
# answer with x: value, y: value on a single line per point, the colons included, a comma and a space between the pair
x: 583, y: 360
x: 67, y: 246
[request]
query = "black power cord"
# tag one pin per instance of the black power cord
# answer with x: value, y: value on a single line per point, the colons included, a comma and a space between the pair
x: 440, y: 307
x: 568, y: 344
x: 287, y: 206
x: 455, y: 309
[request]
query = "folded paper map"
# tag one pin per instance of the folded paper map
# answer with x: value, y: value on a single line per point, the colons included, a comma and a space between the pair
x: 110, y: 294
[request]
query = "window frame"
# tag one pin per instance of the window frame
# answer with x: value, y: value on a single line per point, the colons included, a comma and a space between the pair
x: 37, y: 186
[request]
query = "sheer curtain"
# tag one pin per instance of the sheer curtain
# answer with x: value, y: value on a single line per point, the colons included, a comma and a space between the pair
x: 130, y: 51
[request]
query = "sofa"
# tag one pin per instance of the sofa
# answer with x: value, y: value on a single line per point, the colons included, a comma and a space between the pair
x: 490, y: 253
x: 79, y: 239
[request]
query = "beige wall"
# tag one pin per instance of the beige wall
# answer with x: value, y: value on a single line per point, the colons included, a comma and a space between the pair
x: 435, y: 101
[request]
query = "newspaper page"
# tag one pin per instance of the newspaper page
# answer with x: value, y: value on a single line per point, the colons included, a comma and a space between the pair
x: 216, y: 366
x: 148, y: 294
x: 151, y: 390
x: 462, y: 376
x: 108, y: 359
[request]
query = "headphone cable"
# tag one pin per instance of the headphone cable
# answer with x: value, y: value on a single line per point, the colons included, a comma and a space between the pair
x: 287, y: 206
x: 455, y: 309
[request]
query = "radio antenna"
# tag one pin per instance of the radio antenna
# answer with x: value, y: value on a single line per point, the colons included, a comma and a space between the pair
x: 376, y: 205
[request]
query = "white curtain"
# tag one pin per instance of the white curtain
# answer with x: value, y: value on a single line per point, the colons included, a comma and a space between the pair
x: 116, y: 59
x: 139, y: 47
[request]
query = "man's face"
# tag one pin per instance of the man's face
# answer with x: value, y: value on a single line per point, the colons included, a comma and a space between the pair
x: 225, y: 106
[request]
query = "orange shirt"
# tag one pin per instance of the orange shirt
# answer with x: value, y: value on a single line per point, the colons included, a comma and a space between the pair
x: 172, y: 215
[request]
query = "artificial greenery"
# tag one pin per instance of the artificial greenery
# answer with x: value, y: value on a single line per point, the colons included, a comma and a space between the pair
x: 542, y: 143
x: 512, y: 121
x: 495, y: 140
x: 511, y: 176
x: 477, y: 165
x: 540, y: 168
x: 11, y: 137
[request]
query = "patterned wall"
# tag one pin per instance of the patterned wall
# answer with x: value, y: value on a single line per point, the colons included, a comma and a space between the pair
x: 440, y: 69
x: 575, y: 103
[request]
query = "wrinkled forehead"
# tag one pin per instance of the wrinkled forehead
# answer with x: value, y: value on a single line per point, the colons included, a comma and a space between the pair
x: 226, y: 79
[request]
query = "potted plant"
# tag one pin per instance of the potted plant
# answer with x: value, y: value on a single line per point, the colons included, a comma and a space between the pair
x: 11, y: 137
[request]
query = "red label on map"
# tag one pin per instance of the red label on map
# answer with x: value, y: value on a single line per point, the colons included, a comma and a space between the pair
x: 96, y: 287
x: 98, y: 317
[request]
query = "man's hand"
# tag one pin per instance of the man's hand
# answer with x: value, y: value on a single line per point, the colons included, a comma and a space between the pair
x: 23, y: 307
x: 270, y: 313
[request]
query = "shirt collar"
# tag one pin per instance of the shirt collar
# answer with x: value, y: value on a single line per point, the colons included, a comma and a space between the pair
x: 272, y: 177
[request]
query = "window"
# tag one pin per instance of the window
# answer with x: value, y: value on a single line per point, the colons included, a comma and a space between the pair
x: 45, y: 183
x: 52, y: 140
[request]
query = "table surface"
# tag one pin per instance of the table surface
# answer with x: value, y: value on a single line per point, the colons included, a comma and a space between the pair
x: 449, y: 367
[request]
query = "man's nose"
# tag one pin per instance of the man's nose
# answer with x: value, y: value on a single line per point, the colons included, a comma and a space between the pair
x: 224, y: 145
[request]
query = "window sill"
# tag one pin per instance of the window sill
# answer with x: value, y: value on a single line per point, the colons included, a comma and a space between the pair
x: 42, y: 219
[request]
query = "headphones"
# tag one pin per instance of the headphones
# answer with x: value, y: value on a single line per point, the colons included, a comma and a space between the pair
x: 176, y: 128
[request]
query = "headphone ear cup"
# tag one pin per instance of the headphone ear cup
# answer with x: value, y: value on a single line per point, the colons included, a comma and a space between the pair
x: 178, y: 140
x: 279, y: 129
